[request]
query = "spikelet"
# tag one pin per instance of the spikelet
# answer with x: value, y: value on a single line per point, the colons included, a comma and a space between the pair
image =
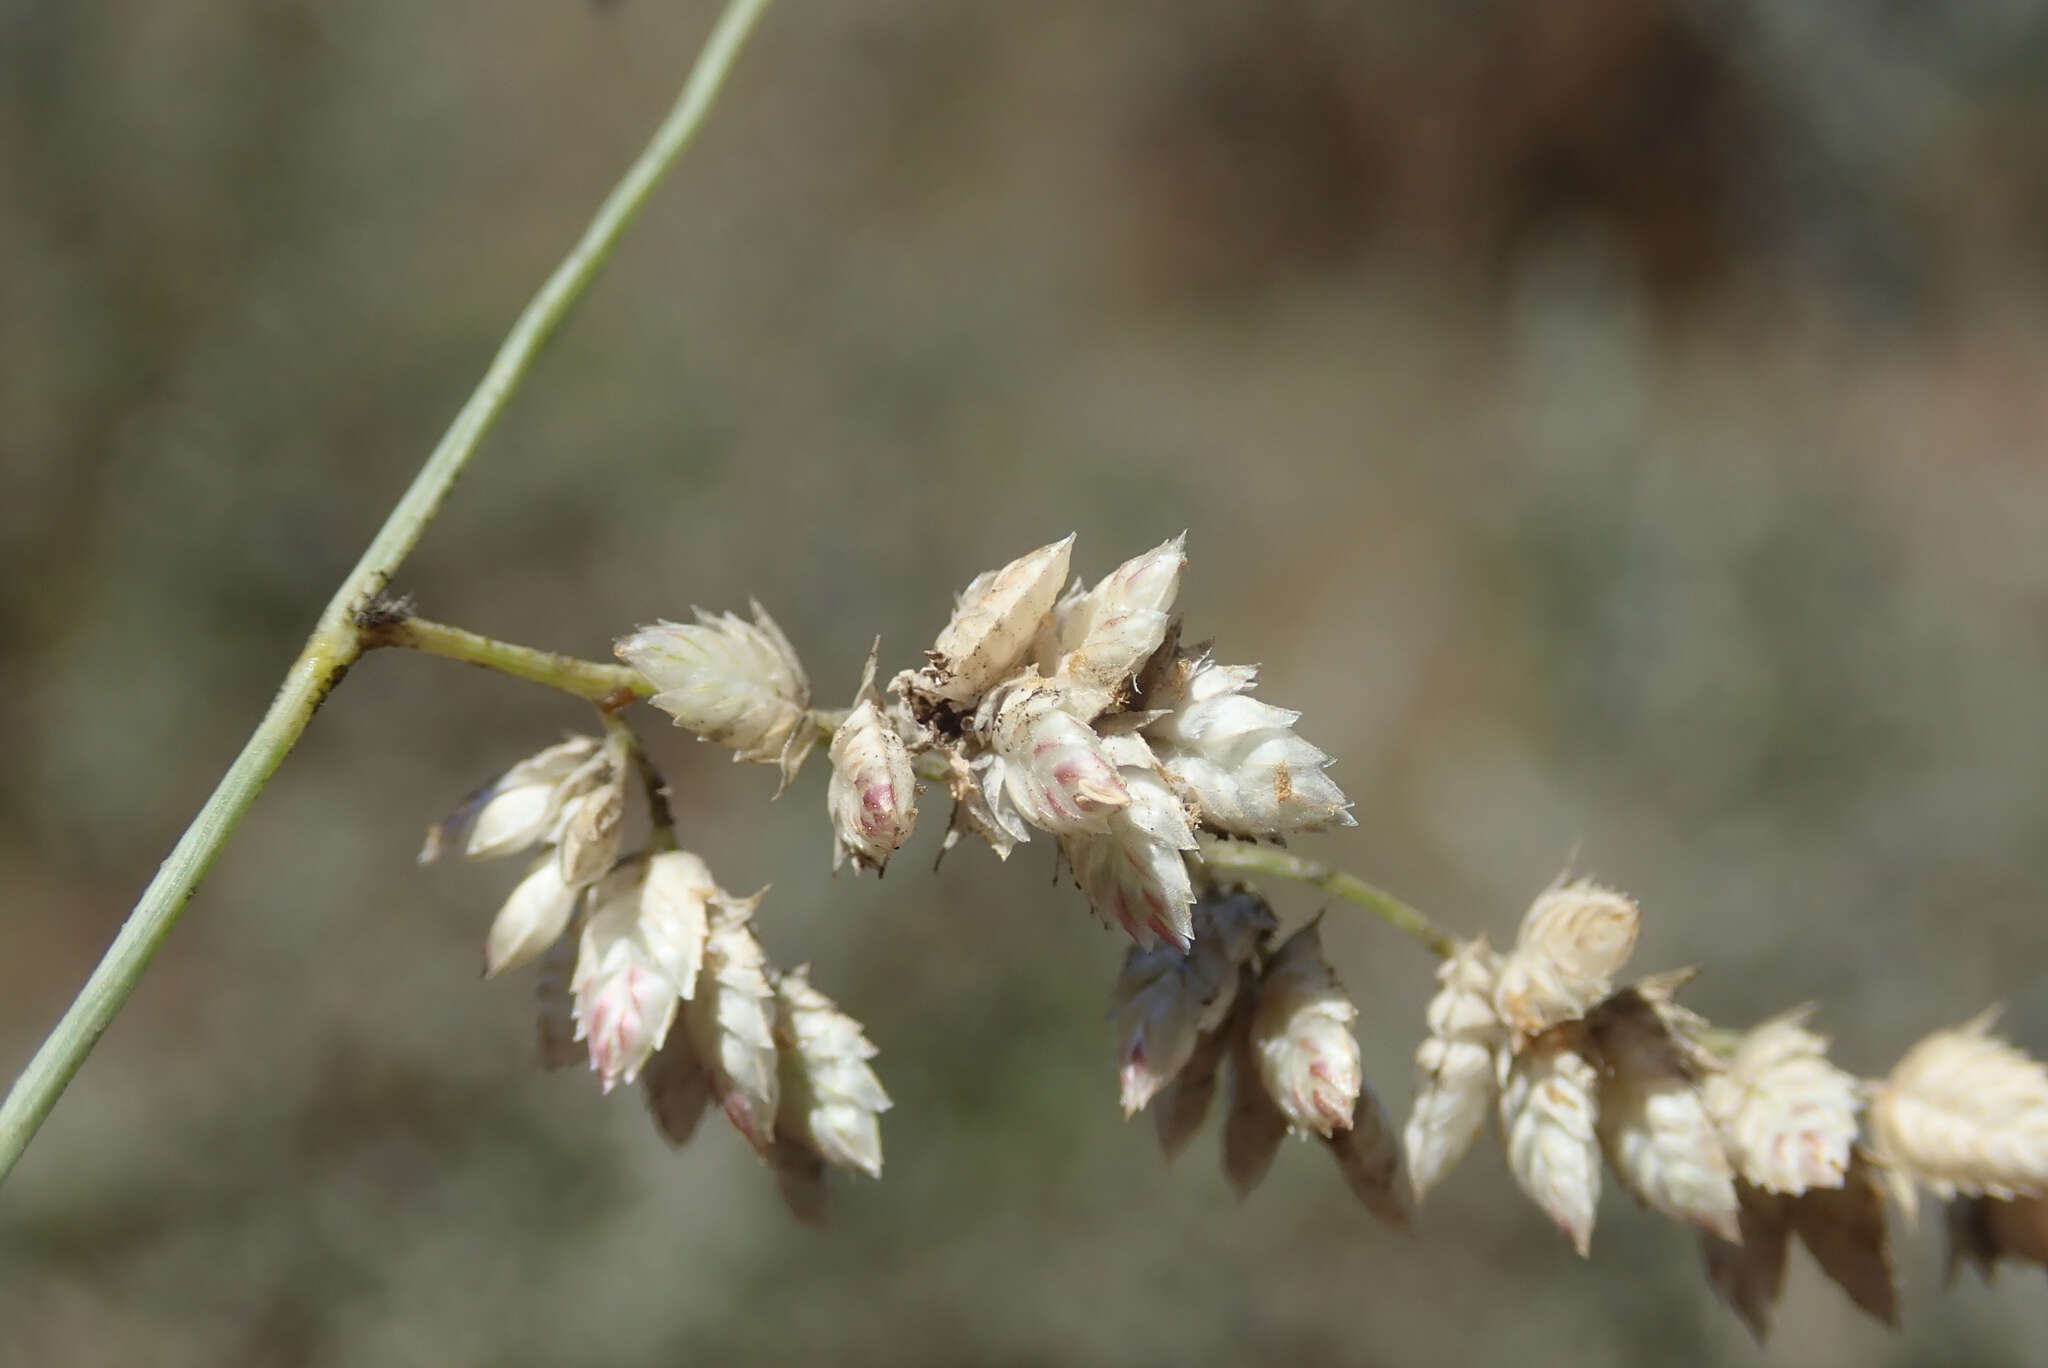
x: 625, y: 998
x: 1962, y: 1111
x: 1238, y: 760
x: 555, y: 1002
x: 1984, y: 1230
x: 1165, y: 1001
x: 830, y: 1098
x: 1844, y: 1229
x: 872, y: 795
x: 1182, y: 1105
x: 731, y: 1022
x: 532, y: 919
x: 1786, y: 1115
x: 735, y: 682
x: 1254, y: 1127
x: 1301, y: 1034
x: 517, y: 810
x: 1549, y: 1123
x: 1572, y: 942
x: 675, y: 907
x: 1368, y: 1154
x: 588, y: 829
x: 1749, y: 1272
x: 1100, y: 639
x: 1456, y: 1081
x: 993, y: 625
x: 1136, y: 873
x: 677, y: 1088
x: 1053, y: 766
x: 1653, y: 1125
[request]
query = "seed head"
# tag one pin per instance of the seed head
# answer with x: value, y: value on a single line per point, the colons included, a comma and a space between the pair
x: 735, y: 682
x: 1301, y: 1030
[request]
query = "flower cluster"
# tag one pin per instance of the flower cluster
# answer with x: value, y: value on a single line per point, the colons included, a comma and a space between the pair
x: 1281, y: 1019
x: 655, y: 971
x: 1751, y: 1139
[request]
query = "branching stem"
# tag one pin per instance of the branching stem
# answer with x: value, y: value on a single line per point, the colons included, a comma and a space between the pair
x: 1244, y: 857
x: 335, y: 643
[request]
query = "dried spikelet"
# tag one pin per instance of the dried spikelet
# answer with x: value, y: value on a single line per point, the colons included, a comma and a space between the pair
x: 1749, y: 1272
x: 1368, y: 1153
x: 1254, y: 1128
x: 677, y: 1088
x: 1963, y: 1111
x: 800, y: 1178
x: 1844, y: 1229
x: 1181, y: 1106
x: 555, y: 1002
x: 1572, y: 942
x: 731, y: 1022
x: 1301, y: 1034
x: 1787, y: 1116
x: 1549, y: 1123
x: 1053, y: 766
x: 1456, y: 1081
x: 831, y: 1100
x: 1164, y: 1001
x: 1653, y: 1125
x: 735, y: 682
x: 993, y: 625
x: 1984, y: 1230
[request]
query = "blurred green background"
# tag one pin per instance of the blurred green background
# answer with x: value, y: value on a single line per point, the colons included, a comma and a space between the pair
x: 1620, y: 425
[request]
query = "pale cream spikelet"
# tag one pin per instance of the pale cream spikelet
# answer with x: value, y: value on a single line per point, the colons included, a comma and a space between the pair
x: 517, y: 810
x: 1104, y: 636
x: 675, y: 909
x: 993, y: 625
x: 1572, y: 942
x: 1962, y: 1111
x: 1456, y: 1078
x: 1653, y: 1125
x: 1239, y: 760
x: 830, y: 1097
x: 1166, y: 1000
x: 1301, y: 1036
x: 731, y: 681
x: 1053, y: 767
x: 981, y: 804
x: 1368, y: 1154
x: 590, y: 826
x: 532, y: 918
x: 872, y: 794
x: 1135, y: 874
x: 625, y: 997
x: 731, y: 1021
x: 1786, y: 1115
x: 1549, y: 1114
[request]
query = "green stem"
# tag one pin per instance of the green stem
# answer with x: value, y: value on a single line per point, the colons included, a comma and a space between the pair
x: 335, y: 643
x: 594, y: 680
x: 1243, y: 857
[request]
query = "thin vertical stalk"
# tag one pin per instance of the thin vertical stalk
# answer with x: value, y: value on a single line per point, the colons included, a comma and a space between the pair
x: 335, y: 642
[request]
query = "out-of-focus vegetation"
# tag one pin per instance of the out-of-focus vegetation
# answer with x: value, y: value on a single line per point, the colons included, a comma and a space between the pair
x: 1620, y: 427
